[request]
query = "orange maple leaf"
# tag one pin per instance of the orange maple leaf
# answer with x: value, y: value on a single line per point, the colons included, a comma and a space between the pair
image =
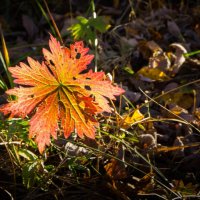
x: 58, y: 95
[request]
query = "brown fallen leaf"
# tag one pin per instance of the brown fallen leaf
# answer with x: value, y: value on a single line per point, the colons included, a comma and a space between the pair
x: 152, y: 74
x: 178, y: 57
x: 115, y: 169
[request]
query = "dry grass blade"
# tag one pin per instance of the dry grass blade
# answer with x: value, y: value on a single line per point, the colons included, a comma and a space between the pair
x: 5, y: 50
x: 175, y: 148
x: 53, y: 21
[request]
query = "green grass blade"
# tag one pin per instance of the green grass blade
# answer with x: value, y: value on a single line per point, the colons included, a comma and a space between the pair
x: 191, y: 53
x: 7, y: 72
x: 3, y: 85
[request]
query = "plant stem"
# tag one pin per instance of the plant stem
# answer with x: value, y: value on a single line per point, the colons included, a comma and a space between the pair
x: 94, y: 14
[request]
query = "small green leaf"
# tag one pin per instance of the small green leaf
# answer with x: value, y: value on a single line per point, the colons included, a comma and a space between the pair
x: 28, y: 155
x: 128, y: 69
x: 28, y: 174
x: 86, y: 28
x: 82, y: 20
x: 99, y: 24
